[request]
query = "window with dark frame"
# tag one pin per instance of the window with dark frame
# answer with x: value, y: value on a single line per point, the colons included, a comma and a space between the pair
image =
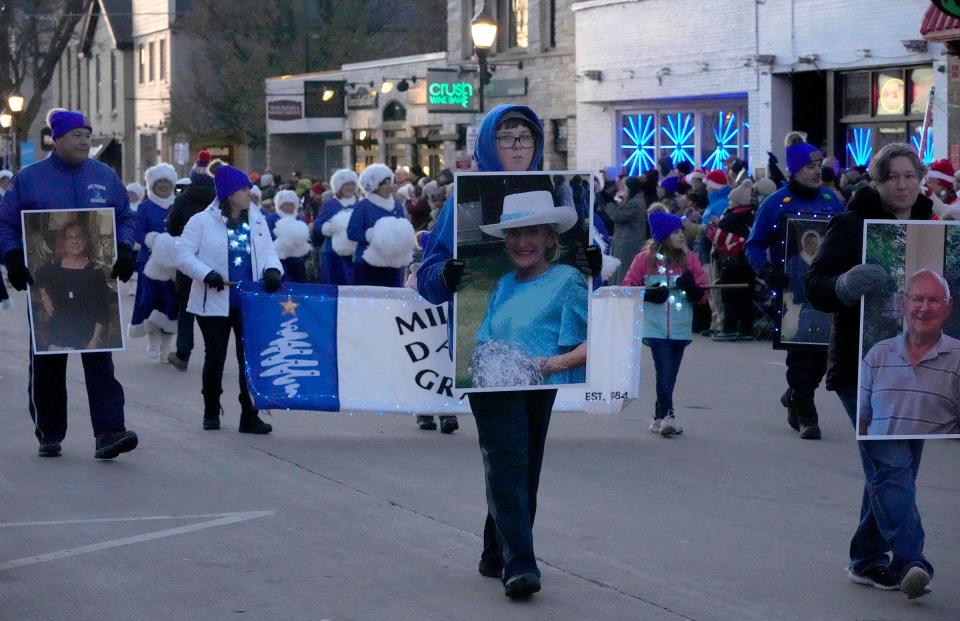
x: 151, y: 61
x: 113, y: 80
x: 69, y: 79
x: 98, y: 85
x: 142, y: 63
x: 163, y: 59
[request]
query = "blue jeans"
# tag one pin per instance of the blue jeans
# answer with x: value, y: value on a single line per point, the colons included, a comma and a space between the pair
x: 512, y: 428
x: 667, y: 355
x: 889, y: 520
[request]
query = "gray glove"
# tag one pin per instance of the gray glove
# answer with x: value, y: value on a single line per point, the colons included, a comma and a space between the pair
x: 859, y: 281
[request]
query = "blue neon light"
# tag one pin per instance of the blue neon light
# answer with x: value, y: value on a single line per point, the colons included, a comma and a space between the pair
x: 679, y: 141
x: 725, y: 135
x: 927, y: 156
x: 861, y: 149
x: 639, y: 144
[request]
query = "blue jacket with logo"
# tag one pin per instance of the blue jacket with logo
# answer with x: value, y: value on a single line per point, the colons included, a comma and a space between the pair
x: 767, y: 234
x: 54, y: 184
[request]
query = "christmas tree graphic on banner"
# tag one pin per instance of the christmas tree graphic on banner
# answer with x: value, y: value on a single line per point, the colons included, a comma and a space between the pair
x: 289, y: 355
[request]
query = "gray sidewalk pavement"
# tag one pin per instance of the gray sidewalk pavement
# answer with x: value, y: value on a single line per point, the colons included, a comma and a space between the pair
x: 363, y: 516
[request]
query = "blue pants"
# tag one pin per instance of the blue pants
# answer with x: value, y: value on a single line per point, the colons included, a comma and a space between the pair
x: 366, y: 274
x: 335, y: 270
x: 47, y: 388
x: 667, y: 355
x: 512, y: 429
x: 889, y: 520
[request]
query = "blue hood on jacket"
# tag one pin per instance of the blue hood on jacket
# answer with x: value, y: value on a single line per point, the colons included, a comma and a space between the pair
x: 485, y: 153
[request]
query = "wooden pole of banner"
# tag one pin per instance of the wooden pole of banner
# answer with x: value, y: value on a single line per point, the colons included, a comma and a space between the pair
x: 927, y: 119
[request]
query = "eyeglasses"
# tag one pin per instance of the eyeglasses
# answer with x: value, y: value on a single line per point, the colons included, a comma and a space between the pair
x: 918, y: 300
x: 506, y: 141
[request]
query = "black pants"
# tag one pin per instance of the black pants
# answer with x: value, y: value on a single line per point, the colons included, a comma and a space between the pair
x: 216, y: 338
x: 184, y: 319
x: 48, y: 394
x: 512, y: 428
x: 805, y: 370
x: 737, y: 307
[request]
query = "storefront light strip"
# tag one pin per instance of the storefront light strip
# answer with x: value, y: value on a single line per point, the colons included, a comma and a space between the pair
x: 725, y: 135
x: 861, y: 149
x: 639, y: 143
x: 927, y: 155
x: 680, y: 142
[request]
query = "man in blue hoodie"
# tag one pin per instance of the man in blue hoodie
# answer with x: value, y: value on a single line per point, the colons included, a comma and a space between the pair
x: 512, y: 426
x: 69, y: 180
x: 802, y: 197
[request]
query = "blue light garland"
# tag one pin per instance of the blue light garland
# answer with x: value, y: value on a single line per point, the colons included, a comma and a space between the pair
x: 679, y: 137
x: 725, y: 135
x: 640, y: 132
x: 861, y: 149
x: 927, y: 155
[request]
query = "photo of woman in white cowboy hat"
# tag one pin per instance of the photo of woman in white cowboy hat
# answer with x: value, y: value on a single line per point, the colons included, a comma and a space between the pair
x: 522, y: 319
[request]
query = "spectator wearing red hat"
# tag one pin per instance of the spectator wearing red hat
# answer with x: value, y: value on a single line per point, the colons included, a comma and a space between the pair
x: 718, y: 193
x: 941, y: 177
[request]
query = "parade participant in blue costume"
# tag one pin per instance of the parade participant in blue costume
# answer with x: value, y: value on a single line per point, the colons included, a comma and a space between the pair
x: 291, y: 236
x: 155, y: 307
x: 223, y: 245
x: 802, y: 197
x: 329, y: 229
x: 385, y: 238
x: 69, y: 179
x: 512, y: 426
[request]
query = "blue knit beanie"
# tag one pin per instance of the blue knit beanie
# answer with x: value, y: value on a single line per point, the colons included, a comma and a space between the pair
x: 662, y: 224
x: 801, y: 154
x: 228, y: 180
x: 62, y: 121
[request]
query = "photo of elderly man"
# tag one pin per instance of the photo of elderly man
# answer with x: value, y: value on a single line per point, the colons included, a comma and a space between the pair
x: 910, y: 384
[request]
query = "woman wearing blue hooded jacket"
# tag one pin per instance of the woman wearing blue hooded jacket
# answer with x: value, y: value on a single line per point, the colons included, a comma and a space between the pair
x: 512, y: 426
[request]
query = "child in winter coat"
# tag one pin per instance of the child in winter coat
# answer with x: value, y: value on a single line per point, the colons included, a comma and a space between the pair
x: 728, y: 238
x: 674, y: 281
x: 330, y: 230
x: 291, y: 236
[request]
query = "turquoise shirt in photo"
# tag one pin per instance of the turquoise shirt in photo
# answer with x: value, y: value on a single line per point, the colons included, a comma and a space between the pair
x: 545, y: 316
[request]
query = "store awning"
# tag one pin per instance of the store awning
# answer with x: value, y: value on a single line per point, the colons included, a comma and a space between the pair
x: 938, y: 26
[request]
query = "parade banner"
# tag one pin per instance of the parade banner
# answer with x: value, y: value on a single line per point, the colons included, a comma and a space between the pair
x: 74, y: 303
x: 318, y: 347
x: 522, y: 313
x: 909, y: 376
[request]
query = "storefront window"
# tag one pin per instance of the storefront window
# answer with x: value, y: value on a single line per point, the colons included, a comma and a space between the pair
x: 720, y: 136
x: 856, y: 93
x: 916, y: 130
x: 920, y: 82
x: 639, y: 143
x: 891, y: 93
x: 677, y: 137
x: 859, y: 146
x: 516, y: 19
x: 397, y: 149
x: 365, y: 148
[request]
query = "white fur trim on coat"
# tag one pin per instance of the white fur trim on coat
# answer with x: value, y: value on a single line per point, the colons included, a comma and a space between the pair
x: 373, y: 175
x: 336, y: 229
x: 387, y: 204
x: 292, y: 238
x: 158, y: 172
x: 162, y: 264
x: 392, y: 242
x: 285, y: 196
x: 342, y: 176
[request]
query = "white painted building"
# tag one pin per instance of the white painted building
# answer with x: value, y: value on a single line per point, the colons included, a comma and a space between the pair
x: 699, y: 81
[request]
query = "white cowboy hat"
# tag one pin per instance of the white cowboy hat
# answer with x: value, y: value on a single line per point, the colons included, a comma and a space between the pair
x: 531, y: 209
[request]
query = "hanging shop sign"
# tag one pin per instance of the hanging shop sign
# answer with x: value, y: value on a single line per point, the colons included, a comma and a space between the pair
x: 324, y: 99
x: 362, y: 98
x: 516, y: 87
x: 450, y: 91
x: 284, y: 110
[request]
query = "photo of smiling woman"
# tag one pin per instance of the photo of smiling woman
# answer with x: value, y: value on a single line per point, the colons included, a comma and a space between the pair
x: 533, y: 331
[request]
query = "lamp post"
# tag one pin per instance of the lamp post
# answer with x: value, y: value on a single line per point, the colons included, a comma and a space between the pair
x: 483, y: 31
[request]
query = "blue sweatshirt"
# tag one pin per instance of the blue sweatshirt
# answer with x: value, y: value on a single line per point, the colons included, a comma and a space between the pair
x: 53, y: 184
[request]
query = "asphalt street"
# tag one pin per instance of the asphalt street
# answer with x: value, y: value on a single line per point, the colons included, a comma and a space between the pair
x: 363, y: 516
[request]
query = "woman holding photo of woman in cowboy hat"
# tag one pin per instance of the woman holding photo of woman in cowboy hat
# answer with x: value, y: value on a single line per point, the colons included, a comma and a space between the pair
x: 540, y: 307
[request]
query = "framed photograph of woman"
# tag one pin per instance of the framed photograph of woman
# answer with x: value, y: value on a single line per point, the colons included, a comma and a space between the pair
x: 801, y: 325
x: 74, y: 303
x: 521, y: 318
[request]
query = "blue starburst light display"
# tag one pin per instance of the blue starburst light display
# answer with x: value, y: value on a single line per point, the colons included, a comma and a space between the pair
x: 725, y: 135
x: 861, y: 148
x: 927, y: 155
x: 638, y: 145
x: 679, y: 139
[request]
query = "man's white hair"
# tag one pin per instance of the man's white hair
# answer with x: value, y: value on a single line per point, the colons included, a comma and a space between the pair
x: 929, y: 274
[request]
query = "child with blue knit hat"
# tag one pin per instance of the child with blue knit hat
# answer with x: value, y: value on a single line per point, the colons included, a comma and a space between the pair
x: 673, y: 281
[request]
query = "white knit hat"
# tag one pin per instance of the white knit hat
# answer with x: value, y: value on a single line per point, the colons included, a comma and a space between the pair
x: 286, y: 196
x: 138, y: 189
x: 159, y: 172
x: 342, y: 176
x: 373, y: 175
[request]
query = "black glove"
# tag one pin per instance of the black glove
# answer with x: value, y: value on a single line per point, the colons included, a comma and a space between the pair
x: 125, y: 264
x: 17, y: 270
x: 590, y: 259
x: 774, y: 277
x: 656, y: 295
x: 272, y: 279
x: 215, y: 280
x: 689, y: 286
x: 452, y: 275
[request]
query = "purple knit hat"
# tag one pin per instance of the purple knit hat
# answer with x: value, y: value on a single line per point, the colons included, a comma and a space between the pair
x: 228, y: 180
x: 801, y: 154
x: 63, y: 121
x: 662, y: 224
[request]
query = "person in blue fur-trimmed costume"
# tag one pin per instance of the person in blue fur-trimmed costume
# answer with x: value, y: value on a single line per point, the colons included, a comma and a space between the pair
x: 70, y: 179
x: 155, y: 307
x: 291, y: 236
x: 512, y: 426
x: 329, y: 230
x: 384, y: 246
x: 804, y: 196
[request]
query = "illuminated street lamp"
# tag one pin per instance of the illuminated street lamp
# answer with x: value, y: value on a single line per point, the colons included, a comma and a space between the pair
x: 6, y: 120
x: 15, y: 101
x: 483, y: 30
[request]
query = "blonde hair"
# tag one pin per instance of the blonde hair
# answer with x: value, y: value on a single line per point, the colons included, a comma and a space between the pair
x: 658, y: 206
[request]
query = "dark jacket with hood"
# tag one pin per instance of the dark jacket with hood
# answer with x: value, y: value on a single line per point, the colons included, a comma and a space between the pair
x: 440, y: 247
x: 194, y: 199
x: 841, y: 249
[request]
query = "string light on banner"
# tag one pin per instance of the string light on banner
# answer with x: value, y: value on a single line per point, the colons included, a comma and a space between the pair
x: 639, y: 145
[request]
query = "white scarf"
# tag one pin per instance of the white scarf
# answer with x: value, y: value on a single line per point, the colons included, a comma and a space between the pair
x: 386, y: 204
x: 347, y: 202
x: 162, y: 202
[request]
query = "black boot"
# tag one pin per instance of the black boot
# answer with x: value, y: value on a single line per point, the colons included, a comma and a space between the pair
x: 448, y: 424
x: 789, y: 401
x: 250, y: 423
x: 809, y: 420
x: 211, y: 420
x: 426, y: 423
x: 112, y: 443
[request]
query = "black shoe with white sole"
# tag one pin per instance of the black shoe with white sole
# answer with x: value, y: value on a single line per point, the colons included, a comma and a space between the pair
x: 878, y: 577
